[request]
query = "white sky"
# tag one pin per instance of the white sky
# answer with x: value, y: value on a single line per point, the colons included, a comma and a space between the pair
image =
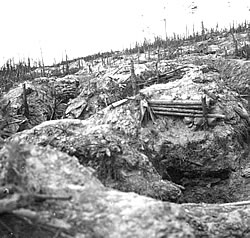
x: 83, y: 27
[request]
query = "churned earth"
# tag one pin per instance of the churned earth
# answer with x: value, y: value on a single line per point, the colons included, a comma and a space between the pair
x: 91, y: 159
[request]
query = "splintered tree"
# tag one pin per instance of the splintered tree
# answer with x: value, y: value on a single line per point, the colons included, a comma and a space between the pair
x: 245, y: 51
x: 133, y: 77
x: 157, y: 65
x: 43, y: 68
x: 165, y: 29
x: 67, y: 64
x: 25, y: 103
x: 202, y: 31
x: 235, y: 43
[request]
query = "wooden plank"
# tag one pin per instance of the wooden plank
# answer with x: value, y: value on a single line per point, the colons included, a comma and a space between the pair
x: 241, y: 203
x: 181, y: 110
x: 198, y: 107
x: 205, y: 111
x: 188, y: 114
x: 177, y: 102
x: 118, y: 103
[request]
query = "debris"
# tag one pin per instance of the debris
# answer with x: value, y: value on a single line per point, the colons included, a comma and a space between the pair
x: 119, y: 103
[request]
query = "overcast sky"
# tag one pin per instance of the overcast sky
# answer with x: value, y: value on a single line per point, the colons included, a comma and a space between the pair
x: 82, y: 27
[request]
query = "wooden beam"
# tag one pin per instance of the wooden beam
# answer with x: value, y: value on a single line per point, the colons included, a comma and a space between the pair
x: 197, y: 107
x: 180, y: 110
x: 205, y: 110
x: 181, y: 102
x: 188, y: 114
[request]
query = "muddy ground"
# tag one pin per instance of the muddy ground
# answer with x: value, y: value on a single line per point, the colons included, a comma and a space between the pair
x: 183, y: 137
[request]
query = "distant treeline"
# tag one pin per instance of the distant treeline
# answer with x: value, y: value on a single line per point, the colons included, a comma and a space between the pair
x: 12, y: 72
x: 176, y: 39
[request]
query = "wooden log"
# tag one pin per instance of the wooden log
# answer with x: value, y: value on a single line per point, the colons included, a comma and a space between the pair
x: 3, y: 108
x: 197, y: 107
x: 173, y: 71
x: 9, y: 204
x: 31, y: 215
x: 205, y: 110
x: 182, y: 102
x: 220, y: 116
x: 241, y: 203
x: 176, y: 73
x: 248, y: 99
x: 181, y: 110
x: 118, y: 103
x: 173, y: 77
x: 151, y: 114
x: 25, y: 103
x: 15, y: 201
x: 157, y: 63
x: 242, y: 113
x: 133, y: 78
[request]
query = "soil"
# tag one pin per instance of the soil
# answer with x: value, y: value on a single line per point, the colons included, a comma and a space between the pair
x: 126, y: 160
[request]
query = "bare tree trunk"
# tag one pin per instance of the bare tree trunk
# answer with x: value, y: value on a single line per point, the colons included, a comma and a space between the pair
x: 235, y: 43
x: 43, y: 68
x: 148, y: 53
x: 205, y: 111
x: 67, y: 65
x: 157, y: 64
x: 133, y: 78
x: 25, y: 103
x: 53, y: 113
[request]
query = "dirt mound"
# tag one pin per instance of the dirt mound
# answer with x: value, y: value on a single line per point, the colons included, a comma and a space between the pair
x: 185, y: 150
x: 174, y: 130
x: 116, y: 160
x: 233, y: 73
x: 31, y: 103
x: 58, y: 197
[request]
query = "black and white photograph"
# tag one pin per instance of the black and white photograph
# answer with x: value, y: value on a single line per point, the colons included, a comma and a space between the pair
x: 125, y: 119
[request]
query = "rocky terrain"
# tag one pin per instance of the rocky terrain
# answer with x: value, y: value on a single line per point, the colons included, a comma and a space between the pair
x: 145, y: 146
